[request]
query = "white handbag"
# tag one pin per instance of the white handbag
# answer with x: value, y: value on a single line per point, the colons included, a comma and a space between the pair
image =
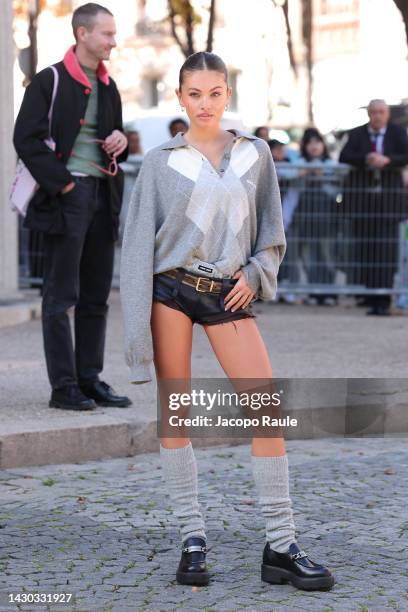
x: 24, y: 184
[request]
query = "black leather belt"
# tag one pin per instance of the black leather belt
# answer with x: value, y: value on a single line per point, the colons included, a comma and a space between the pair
x: 203, y: 284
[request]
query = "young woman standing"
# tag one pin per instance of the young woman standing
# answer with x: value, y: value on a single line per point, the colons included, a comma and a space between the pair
x: 203, y: 239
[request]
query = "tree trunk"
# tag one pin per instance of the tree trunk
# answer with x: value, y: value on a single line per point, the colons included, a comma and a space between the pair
x: 307, y: 30
x: 34, y: 11
x: 285, y: 9
x: 189, y: 28
x: 185, y: 10
x: 172, y: 17
x: 210, y: 37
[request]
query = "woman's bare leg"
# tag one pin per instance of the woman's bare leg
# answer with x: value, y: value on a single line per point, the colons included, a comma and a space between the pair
x: 242, y: 354
x: 172, y: 339
x: 172, y: 333
x: 241, y: 351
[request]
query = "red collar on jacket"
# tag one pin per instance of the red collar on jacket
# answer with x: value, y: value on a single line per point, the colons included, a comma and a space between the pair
x: 74, y: 69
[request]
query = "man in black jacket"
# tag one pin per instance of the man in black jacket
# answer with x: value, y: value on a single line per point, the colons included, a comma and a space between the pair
x: 376, y: 201
x: 77, y: 205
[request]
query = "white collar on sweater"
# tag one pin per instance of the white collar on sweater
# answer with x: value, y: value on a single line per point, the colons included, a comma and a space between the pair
x: 179, y: 141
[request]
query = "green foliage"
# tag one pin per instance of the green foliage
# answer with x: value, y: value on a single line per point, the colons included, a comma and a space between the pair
x: 185, y: 11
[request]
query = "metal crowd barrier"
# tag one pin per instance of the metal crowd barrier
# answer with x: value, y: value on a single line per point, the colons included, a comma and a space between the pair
x: 346, y: 230
x: 30, y: 257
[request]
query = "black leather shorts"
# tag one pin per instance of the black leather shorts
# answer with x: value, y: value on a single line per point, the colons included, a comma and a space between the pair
x: 203, y: 308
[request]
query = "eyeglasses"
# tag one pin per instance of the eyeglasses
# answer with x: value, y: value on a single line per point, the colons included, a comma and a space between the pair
x: 111, y: 170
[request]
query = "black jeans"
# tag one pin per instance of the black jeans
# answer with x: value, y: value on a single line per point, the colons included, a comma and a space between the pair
x: 78, y: 269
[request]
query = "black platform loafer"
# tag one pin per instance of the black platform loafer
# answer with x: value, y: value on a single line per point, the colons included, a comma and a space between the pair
x: 295, y: 567
x: 70, y: 397
x: 192, y: 568
x: 104, y: 395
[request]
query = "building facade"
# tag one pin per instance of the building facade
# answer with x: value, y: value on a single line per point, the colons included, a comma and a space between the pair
x: 359, y: 53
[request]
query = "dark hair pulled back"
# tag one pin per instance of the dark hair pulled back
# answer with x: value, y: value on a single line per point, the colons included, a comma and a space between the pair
x: 203, y: 60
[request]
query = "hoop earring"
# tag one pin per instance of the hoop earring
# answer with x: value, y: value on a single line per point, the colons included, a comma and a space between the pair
x: 226, y: 108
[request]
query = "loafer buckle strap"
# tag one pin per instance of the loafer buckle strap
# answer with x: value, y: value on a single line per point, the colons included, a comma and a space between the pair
x: 300, y: 555
x: 190, y: 549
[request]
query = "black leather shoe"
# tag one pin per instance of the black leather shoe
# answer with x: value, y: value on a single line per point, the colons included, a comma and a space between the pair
x: 104, y: 395
x: 295, y: 567
x: 70, y: 397
x: 192, y: 568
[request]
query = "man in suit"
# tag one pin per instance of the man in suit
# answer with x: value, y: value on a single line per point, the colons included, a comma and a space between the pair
x: 77, y: 205
x: 376, y: 201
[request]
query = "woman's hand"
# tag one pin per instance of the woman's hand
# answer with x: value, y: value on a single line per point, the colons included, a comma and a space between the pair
x: 240, y: 295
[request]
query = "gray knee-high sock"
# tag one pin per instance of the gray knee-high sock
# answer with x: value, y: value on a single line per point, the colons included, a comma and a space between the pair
x: 271, y: 475
x: 180, y: 473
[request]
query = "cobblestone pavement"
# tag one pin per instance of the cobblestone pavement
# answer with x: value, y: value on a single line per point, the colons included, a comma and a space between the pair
x: 104, y: 531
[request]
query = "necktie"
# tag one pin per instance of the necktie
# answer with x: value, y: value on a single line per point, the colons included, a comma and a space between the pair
x: 374, y: 140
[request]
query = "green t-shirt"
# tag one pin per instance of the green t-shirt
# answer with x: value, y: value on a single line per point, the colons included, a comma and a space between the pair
x: 84, y: 151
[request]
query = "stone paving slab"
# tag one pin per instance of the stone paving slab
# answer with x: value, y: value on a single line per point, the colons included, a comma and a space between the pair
x: 104, y: 531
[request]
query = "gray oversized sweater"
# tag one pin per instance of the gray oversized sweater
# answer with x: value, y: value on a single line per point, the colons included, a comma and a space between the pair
x: 184, y: 213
